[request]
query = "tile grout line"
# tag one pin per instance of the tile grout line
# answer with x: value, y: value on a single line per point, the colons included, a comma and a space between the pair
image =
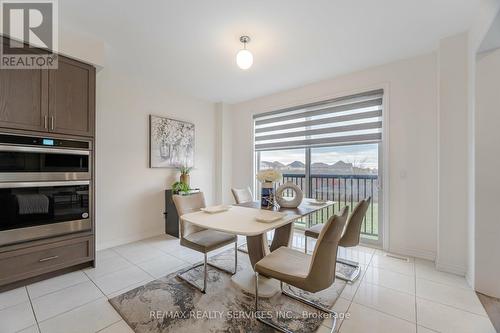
x: 385, y: 313
x: 415, y: 296
x: 445, y: 284
x: 33, y: 309
x: 122, y: 269
x: 136, y: 265
x: 354, y: 295
x: 102, y: 329
x: 102, y: 292
x: 385, y: 287
x: 64, y: 288
x: 451, y: 306
x: 69, y: 310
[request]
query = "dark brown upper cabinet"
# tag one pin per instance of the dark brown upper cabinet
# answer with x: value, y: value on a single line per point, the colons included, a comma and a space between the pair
x: 72, y: 98
x: 23, y: 99
x: 58, y: 100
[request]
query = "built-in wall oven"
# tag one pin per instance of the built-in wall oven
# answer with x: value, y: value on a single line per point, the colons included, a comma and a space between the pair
x: 45, y: 187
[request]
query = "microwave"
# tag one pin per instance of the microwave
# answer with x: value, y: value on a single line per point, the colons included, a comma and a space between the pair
x: 24, y: 158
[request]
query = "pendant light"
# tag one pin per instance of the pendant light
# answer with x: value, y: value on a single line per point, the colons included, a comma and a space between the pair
x: 244, y: 58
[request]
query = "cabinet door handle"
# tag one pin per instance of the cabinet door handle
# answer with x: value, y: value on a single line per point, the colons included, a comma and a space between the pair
x: 52, y: 123
x: 48, y: 258
x: 45, y: 122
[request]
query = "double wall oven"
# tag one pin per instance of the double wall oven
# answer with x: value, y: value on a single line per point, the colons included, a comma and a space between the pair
x: 45, y: 187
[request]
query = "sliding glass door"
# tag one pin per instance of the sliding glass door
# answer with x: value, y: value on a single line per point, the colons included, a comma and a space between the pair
x: 343, y: 174
x: 347, y: 174
x: 331, y: 150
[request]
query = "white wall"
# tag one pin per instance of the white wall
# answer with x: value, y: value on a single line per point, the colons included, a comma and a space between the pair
x: 412, y: 102
x: 130, y: 196
x: 224, y: 154
x: 479, y: 31
x: 83, y: 47
x: 453, y: 154
x: 487, y: 176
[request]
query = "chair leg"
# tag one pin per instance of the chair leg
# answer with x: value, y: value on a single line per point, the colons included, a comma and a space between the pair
x: 235, y: 257
x: 310, y: 303
x: 205, y: 265
x: 351, y: 263
x: 259, y: 318
x: 205, y: 269
x: 305, y: 245
x: 348, y: 262
x: 300, y: 299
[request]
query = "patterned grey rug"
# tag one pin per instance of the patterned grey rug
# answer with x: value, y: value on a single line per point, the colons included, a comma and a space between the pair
x: 171, y: 305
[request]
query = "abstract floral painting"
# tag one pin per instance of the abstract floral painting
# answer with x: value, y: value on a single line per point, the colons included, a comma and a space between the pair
x: 171, y: 143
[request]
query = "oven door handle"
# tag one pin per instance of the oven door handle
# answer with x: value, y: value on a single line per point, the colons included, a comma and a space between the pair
x: 29, y: 149
x: 43, y: 184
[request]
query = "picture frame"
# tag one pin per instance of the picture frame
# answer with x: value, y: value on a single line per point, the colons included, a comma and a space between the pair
x: 171, y: 142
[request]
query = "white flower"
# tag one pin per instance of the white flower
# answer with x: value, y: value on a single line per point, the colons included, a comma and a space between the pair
x: 269, y: 175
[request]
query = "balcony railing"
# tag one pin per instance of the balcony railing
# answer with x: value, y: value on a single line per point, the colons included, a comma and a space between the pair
x: 344, y: 190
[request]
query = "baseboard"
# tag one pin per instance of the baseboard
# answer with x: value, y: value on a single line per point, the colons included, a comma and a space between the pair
x: 453, y: 269
x: 128, y: 239
x: 470, y: 280
x: 417, y: 253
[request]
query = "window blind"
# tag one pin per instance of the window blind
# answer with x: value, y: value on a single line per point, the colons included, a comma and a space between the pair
x: 351, y: 119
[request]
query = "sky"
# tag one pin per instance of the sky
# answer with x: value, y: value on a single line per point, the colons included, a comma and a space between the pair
x: 364, y: 156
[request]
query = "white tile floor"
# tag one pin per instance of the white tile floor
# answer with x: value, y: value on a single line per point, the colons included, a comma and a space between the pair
x: 391, y: 295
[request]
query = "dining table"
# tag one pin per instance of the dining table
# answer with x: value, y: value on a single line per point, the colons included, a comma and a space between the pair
x: 242, y: 219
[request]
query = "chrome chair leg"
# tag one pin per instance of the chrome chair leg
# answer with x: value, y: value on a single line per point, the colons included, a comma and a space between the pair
x: 351, y: 263
x: 235, y: 257
x: 191, y: 283
x: 205, y: 265
x: 258, y: 317
x: 310, y: 303
x: 205, y: 273
x: 348, y: 262
x: 300, y: 299
x: 305, y: 245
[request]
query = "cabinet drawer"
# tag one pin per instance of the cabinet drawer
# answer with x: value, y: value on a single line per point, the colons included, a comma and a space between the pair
x: 29, y: 262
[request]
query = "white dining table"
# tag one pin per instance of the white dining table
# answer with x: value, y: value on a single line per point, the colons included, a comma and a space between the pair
x: 242, y: 220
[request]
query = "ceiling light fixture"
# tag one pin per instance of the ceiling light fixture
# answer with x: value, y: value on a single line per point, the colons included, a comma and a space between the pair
x: 244, y: 58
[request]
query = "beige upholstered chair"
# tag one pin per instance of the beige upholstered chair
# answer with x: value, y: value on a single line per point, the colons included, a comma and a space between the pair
x: 350, y: 237
x: 199, y: 239
x: 242, y: 195
x: 310, y: 273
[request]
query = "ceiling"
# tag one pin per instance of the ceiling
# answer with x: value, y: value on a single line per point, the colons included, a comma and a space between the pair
x: 492, y: 39
x: 190, y: 45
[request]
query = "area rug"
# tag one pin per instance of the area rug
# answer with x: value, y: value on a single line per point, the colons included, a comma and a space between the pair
x: 171, y: 305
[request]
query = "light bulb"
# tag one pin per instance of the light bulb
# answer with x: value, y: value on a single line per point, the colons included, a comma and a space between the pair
x: 244, y: 59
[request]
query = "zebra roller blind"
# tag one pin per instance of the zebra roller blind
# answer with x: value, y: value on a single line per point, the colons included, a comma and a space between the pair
x: 346, y: 120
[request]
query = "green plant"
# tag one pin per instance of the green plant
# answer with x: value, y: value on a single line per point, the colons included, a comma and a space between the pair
x: 180, y: 187
x: 184, y: 170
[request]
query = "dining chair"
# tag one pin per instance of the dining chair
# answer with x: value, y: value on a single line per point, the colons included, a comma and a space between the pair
x: 311, y: 273
x: 242, y: 195
x: 350, y: 237
x: 200, y: 239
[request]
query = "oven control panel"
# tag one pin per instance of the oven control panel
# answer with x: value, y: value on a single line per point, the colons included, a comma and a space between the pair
x: 44, y: 142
